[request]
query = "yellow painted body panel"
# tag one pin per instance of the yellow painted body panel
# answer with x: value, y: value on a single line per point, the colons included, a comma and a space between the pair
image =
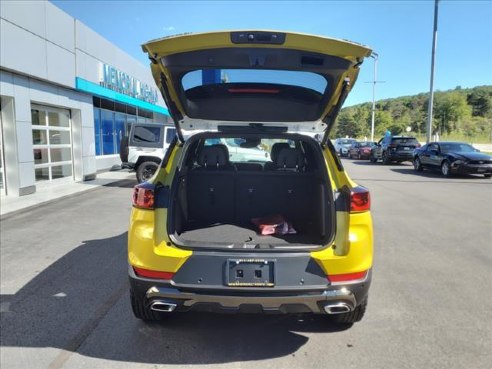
x: 145, y: 251
x: 360, y: 250
x: 149, y: 246
x: 350, y: 51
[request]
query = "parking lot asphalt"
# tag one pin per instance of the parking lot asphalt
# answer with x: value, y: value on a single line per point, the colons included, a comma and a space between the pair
x: 64, y: 299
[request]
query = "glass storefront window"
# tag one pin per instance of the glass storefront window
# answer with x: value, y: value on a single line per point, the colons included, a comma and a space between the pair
x: 61, y: 171
x: 39, y: 137
x: 110, y: 126
x: 97, y: 130
x: 59, y: 137
x: 62, y: 154
x: 107, y: 131
x: 41, y: 156
x: 52, y: 143
x: 59, y: 119
x: 42, y: 174
x: 119, y: 128
x: 38, y: 117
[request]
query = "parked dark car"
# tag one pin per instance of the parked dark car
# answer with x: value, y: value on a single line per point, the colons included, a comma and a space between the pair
x: 360, y: 150
x: 394, y: 149
x: 452, y: 158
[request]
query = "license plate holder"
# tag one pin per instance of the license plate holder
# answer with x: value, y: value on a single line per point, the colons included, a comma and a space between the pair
x: 250, y: 273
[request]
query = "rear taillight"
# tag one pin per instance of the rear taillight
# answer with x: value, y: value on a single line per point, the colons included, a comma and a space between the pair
x: 347, y: 278
x: 143, y: 196
x: 147, y: 273
x: 360, y: 199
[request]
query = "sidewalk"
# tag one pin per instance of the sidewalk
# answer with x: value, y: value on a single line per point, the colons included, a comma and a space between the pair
x: 10, y: 205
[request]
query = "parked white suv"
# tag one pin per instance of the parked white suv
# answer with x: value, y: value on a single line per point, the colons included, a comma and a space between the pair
x: 145, y: 147
x: 342, y: 145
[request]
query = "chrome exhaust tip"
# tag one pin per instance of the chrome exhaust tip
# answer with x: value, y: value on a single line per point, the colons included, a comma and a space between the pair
x: 162, y: 306
x: 338, y: 308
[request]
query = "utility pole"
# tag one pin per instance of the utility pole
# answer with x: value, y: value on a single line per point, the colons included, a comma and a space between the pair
x: 375, y: 56
x: 431, y: 99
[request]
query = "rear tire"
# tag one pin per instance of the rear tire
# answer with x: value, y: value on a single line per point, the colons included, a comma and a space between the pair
x: 354, y: 316
x: 141, y: 311
x: 417, y: 164
x: 124, y: 149
x: 445, y: 170
x: 386, y: 160
x: 373, y: 159
x: 146, y: 170
x: 487, y: 175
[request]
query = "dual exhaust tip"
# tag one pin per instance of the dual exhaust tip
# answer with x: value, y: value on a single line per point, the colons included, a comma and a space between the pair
x: 338, y: 308
x: 163, y: 306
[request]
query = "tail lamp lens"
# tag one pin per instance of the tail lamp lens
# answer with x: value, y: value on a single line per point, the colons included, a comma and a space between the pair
x: 349, y: 277
x: 143, y: 196
x: 147, y: 273
x: 360, y: 199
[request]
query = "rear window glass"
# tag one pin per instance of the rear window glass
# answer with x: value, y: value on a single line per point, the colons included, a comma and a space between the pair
x: 308, y: 80
x: 146, y: 134
x: 170, y: 134
x: 410, y: 141
x: 244, y: 151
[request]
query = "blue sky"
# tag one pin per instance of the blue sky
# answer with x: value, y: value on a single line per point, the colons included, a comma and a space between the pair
x: 399, y: 31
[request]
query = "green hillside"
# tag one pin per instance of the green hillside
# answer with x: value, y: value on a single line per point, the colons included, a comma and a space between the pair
x: 459, y: 114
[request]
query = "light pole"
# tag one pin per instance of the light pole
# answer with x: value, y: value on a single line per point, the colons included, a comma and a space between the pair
x: 431, y: 99
x: 375, y: 56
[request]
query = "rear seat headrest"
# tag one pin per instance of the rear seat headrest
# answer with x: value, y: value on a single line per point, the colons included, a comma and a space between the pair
x: 290, y: 159
x: 276, y: 148
x: 214, y: 156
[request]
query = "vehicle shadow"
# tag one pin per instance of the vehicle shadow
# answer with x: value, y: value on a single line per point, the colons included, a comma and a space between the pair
x: 80, y: 303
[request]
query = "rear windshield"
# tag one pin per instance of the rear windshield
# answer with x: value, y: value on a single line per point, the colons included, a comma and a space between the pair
x: 244, y: 151
x: 347, y: 142
x: 308, y: 80
x: 146, y: 134
x: 405, y: 141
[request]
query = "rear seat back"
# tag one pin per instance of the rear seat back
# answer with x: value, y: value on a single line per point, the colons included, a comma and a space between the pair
x: 290, y: 159
x: 218, y: 194
x: 210, y: 189
x: 276, y: 148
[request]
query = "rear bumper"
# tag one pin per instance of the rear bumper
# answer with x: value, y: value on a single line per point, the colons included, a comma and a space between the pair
x: 401, y: 156
x: 239, y: 300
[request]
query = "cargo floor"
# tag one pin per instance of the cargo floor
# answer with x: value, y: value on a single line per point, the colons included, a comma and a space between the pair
x: 241, y: 234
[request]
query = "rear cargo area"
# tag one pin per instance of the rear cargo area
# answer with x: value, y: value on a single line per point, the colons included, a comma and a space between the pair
x: 215, y: 205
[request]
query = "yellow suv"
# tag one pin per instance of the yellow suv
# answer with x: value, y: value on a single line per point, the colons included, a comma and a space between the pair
x: 286, y: 231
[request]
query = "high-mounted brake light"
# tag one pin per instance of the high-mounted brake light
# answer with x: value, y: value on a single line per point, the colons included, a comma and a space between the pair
x: 146, y: 273
x: 360, y: 199
x: 143, y: 196
x: 349, y: 277
x: 253, y: 91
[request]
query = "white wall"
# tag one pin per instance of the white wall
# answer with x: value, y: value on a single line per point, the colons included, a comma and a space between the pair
x: 42, y: 51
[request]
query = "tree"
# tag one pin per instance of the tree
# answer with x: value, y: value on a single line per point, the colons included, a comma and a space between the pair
x: 480, y: 100
x: 450, y: 110
x: 347, y: 125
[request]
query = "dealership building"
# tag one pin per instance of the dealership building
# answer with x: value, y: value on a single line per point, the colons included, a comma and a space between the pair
x: 68, y: 96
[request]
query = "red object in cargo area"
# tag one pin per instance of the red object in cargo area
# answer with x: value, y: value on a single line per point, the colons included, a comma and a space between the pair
x: 275, y: 224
